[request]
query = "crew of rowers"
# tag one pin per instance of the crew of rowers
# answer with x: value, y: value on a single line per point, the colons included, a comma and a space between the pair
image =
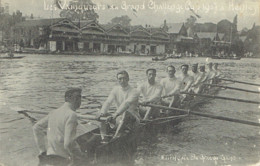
x: 167, y: 92
x: 60, y: 125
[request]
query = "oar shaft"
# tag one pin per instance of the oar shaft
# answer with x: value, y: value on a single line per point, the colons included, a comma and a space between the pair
x: 228, y: 87
x: 224, y: 98
x: 205, y: 115
x: 37, y: 112
x: 242, y: 82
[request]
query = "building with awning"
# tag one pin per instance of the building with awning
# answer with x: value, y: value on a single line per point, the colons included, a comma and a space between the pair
x: 63, y: 35
x: 52, y: 34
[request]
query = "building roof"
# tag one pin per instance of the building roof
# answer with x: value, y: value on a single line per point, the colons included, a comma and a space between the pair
x: 206, y: 35
x: 41, y: 22
x: 174, y: 27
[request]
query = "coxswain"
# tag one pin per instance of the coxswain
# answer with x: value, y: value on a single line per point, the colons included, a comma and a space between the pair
x: 60, y: 126
x: 150, y: 91
x: 171, y: 88
x: 126, y: 116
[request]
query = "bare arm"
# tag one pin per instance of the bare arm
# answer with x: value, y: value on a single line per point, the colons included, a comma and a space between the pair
x: 39, y: 131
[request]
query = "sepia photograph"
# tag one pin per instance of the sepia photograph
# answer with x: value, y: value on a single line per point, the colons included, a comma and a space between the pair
x: 129, y: 83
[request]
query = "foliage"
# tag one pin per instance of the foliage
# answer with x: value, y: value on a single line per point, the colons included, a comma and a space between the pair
x: 7, y: 21
x: 86, y: 13
x: 123, y: 20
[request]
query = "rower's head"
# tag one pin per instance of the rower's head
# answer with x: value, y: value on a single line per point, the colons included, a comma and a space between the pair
x: 122, y: 78
x: 194, y: 67
x: 73, y: 96
x: 210, y: 64
x: 151, y: 74
x: 202, y: 68
x: 171, y: 70
x: 215, y: 66
x: 184, y: 68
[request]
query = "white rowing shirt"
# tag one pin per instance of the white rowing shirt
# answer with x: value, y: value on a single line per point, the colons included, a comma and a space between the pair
x: 124, y: 98
x: 170, y: 86
x: 211, y: 74
x: 186, y: 82
x: 150, y: 93
x: 61, y: 127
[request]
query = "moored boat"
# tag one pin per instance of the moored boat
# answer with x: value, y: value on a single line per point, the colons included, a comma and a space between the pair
x: 159, y: 58
x: 16, y: 57
x: 227, y: 57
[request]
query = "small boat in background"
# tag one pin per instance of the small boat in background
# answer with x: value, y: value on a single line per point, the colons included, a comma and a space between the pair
x: 157, y: 58
x: 17, y: 57
x: 10, y: 55
x: 228, y: 57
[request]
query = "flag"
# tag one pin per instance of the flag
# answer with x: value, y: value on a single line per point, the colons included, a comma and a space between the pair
x: 194, y: 12
x: 134, y: 12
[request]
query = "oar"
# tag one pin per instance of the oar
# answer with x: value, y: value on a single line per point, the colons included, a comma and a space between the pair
x: 228, y: 87
x: 221, y: 97
x: 204, y: 115
x: 80, y: 116
x: 242, y: 82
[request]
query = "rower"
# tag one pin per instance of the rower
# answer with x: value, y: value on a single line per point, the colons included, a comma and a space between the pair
x: 150, y: 91
x: 171, y: 88
x: 203, y: 79
x: 125, y: 98
x: 186, y: 82
x: 210, y: 74
x: 197, y: 78
x: 186, y: 79
x: 60, y: 126
x: 218, y: 73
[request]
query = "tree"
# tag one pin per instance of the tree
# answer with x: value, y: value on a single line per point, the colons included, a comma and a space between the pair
x: 123, y: 20
x: 87, y: 11
x: 190, y: 25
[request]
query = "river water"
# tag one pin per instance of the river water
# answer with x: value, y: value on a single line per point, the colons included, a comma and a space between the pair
x: 38, y: 82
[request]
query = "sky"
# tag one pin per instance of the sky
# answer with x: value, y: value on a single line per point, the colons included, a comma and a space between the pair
x: 154, y: 12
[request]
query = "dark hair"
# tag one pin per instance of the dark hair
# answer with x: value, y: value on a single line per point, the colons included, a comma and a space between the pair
x: 154, y: 70
x: 70, y: 91
x: 184, y: 65
x: 123, y: 72
x: 171, y: 67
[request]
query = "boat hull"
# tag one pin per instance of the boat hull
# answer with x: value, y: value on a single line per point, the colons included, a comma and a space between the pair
x: 18, y: 57
x: 123, y: 148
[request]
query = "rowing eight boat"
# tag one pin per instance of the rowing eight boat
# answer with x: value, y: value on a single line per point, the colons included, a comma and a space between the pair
x: 123, y: 148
